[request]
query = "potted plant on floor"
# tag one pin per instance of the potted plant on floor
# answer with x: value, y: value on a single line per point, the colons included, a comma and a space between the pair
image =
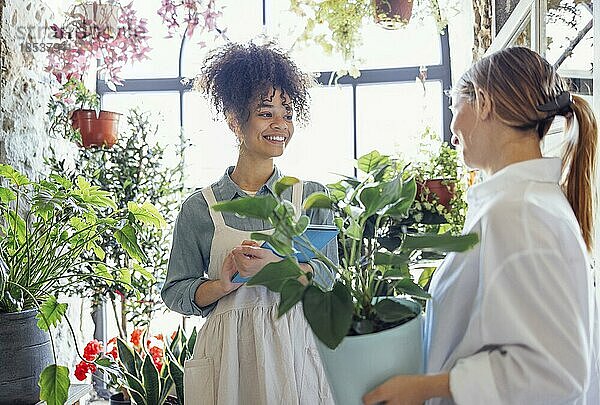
x: 147, y: 369
x: 336, y: 25
x: 48, y: 233
x: 75, y: 115
x: 366, y: 328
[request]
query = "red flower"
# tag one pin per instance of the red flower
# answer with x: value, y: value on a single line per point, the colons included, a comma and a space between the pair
x: 82, y: 369
x: 113, y: 352
x: 173, y: 335
x: 136, y: 336
x: 112, y: 341
x: 157, y: 356
x: 91, y: 350
x: 159, y: 336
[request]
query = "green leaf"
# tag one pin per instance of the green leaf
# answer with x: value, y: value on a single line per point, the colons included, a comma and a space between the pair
x: 393, y: 311
x: 318, y: 200
x: 124, y: 277
x: 50, y: 313
x: 146, y: 275
x: 302, y: 224
x: 371, y: 161
x: 54, y: 384
x: 93, y: 195
x: 328, y: 313
x: 390, y: 259
x: 176, y: 373
x: 279, y: 242
x: 425, y: 276
x: 274, y: 275
x: 191, y: 343
x: 408, y: 287
x: 13, y: 175
x: 291, y: 293
x: 440, y: 243
x: 284, y: 183
x: 136, y: 389
x: 126, y: 357
x: 6, y: 195
x: 127, y: 238
x: 147, y: 214
x: 261, y: 207
x: 151, y: 380
x: 407, y: 197
x: 102, y: 271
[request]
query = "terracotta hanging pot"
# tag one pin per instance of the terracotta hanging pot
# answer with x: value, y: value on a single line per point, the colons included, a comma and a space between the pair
x: 442, y: 188
x: 95, y: 130
x: 393, y: 14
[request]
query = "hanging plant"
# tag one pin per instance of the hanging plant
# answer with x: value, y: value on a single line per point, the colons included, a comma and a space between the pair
x: 99, y: 31
x: 191, y: 14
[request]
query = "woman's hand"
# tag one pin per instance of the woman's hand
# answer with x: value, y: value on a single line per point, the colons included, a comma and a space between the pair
x: 409, y: 390
x: 227, y: 272
x: 250, y: 258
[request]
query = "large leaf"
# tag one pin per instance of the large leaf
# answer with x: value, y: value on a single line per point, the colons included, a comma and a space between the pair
x: 146, y: 275
x: 128, y: 240
x: 291, y: 293
x: 425, y: 276
x: 54, y: 384
x: 393, y: 311
x: 371, y: 161
x: 102, y: 271
x: 7, y: 195
x: 379, y: 196
x: 440, y: 243
x: 136, y: 389
x: 408, y: 287
x: 126, y: 357
x: 147, y: 214
x: 407, y: 197
x: 151, y: 380
x: 176, y: 373
x: 329, y: 313
x: 254, y: 207
x: 93, y: 195
x: 191, y: 343
x: 274, y: 275
x: 390, y: 259
x: 13, y: 175
x: 284, y: 183
x: 318, y: 200
x: 50, y: 313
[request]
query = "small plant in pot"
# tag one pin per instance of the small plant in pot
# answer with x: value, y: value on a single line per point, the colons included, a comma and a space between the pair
x: 48, y: 234
x: 145, y: 369
x: 75, y: 114
x: 367, y: 327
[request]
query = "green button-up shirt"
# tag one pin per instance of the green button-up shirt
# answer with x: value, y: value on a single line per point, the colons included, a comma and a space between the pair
x: 193, y: 234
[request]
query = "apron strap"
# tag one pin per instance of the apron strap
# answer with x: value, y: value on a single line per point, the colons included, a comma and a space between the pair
x: 297, y: 194
x: 217, y: 217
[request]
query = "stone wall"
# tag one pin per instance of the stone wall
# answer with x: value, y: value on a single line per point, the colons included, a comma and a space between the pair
x: 25, y: 89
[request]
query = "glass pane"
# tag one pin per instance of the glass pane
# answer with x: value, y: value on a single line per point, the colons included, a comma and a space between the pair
x: 417, y: 44
x: 164, y: 56
x: 324, y: 148
x: 570, y: 35
x: 163, y: 107
x: 213, y: 145
x: 241, y: 19
x: 524, y: 38
x: 392, y: 117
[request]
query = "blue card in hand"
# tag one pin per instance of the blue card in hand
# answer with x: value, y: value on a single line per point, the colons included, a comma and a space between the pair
x: 319, y: 236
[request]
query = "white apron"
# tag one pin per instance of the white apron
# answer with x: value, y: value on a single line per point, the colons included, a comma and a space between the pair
x: 244, y: 355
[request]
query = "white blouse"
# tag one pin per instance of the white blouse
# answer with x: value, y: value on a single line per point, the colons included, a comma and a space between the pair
x: 514, y: 319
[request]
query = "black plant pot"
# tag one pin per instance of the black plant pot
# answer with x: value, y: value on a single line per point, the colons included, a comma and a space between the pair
x: 25, y: 351
x: 118, y: 399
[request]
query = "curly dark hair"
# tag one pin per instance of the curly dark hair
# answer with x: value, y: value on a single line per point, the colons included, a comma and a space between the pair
x: 235, y: 75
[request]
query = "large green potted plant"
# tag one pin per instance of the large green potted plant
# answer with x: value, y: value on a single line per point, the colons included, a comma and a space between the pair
x: 48, y: 234
x: 367, y: 330
x: 135, y: 168
x: 336, y: 25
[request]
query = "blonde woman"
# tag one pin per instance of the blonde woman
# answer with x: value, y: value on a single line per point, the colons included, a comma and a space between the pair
x: 514, y: 320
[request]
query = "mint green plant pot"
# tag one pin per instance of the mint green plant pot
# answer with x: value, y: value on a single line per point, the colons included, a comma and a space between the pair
x: 361, y: 363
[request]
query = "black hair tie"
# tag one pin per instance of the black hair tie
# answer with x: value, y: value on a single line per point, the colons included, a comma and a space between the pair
x: 561, y: 105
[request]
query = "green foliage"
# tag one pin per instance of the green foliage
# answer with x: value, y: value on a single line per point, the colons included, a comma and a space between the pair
x: 54, y: 385
x: 336, y: 25
x: 371, y: 267
x: 135, y: 372
x: 73, y: 95
x: 135, y: 170
x: 46, y: 234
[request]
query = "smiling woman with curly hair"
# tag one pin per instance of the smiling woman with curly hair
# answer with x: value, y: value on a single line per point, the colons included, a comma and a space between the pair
x: 244, y: 353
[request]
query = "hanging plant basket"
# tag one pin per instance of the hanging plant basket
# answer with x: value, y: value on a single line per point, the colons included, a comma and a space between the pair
x: 96, y: 130
x: 392, y: 14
